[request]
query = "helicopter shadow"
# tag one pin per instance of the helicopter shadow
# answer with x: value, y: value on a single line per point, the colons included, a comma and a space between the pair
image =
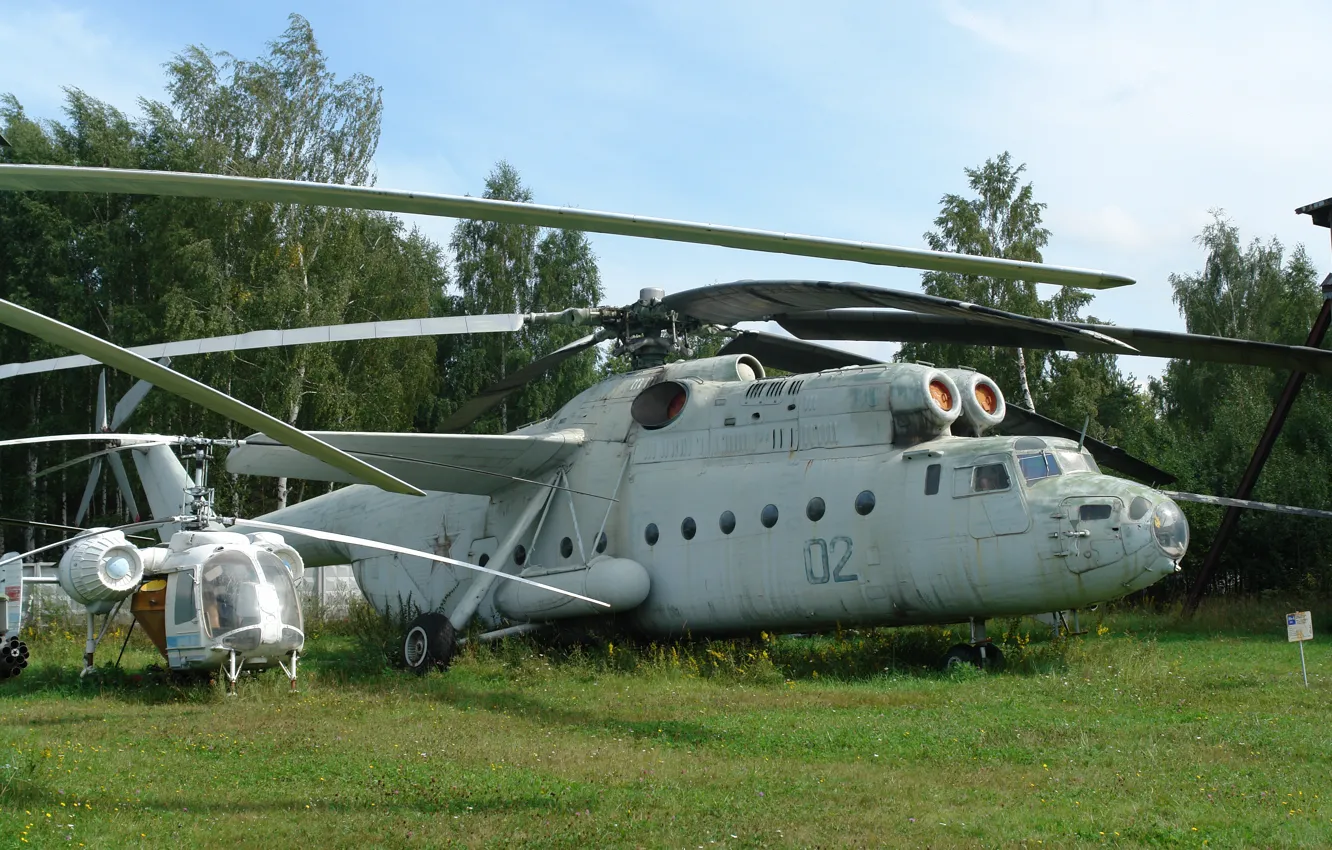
x: 502, y: 701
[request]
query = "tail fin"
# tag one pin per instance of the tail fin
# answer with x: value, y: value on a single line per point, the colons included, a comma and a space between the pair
x: 164, y: 479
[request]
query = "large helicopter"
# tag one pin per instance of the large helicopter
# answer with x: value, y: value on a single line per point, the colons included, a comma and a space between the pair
x: 702, y: 495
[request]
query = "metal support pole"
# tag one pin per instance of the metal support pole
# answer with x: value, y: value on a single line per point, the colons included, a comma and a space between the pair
x: 1302, y: 667
x: 1260, y: 455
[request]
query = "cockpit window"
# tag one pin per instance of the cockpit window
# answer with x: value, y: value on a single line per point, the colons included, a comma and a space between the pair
x: 992, y: 476
x: 1038, y: 466
x: 1071, y: 461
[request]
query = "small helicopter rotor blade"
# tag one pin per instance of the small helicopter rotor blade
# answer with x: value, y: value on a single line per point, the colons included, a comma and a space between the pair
x: 130, y: 400
x: 99, y: 417
x: 757, y: 300
x: 59, y: 333
x: 101, y: 453
x: 1227, y: 502
x: 93, y: 475
x: 4, y: 520
x: 792, y: 355
x: 277, y: 338
x: 493, y: 395
x: 60, y: 178
x: 122, y: 481
x: 73, y: 438
x: 1018, y: 421
x: 403, y: 550
x: 900, y: 326
x: 133, y: 526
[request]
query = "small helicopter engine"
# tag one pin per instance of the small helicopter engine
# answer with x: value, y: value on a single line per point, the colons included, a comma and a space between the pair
x: 101, y: 570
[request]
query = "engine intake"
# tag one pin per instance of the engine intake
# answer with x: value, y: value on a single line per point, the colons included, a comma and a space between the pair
x: 99, y: 569
x: 983, y: 405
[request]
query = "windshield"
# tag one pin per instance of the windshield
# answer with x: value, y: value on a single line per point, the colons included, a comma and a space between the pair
x: 1038, y: 466
x: 230, y: 593
x: 1074, y: 461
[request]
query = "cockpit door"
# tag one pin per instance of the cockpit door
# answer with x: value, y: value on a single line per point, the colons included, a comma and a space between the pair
x: 1089, y: 532
x: 992, y: 498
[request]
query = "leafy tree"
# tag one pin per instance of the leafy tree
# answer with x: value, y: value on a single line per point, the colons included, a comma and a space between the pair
x: 1002, y: 220
x: 139, y: 269
x: 1214, y: 413
x: 516, y: 268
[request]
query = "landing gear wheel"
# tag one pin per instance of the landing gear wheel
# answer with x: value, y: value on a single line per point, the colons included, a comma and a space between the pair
x: 994, y: 659
x: 960, y: 655
x: 429, y: 643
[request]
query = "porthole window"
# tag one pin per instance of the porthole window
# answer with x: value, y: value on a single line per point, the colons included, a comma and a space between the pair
x: 520, y: 555
x: 768, y: 516
x: 1139, y: 508
x: 601, y: 542
x: 566, y: 548
x: 864, y: 502
x: 727, y: 522
x: 485, y: 559
x: 650, y: 534
x: 688, y: 528
x: 815, y: 509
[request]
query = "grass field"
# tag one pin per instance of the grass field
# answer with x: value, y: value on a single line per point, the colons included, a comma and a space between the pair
x: 1144, y: 732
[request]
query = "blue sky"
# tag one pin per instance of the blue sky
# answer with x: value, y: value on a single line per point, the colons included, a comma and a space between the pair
x: 836, y: 119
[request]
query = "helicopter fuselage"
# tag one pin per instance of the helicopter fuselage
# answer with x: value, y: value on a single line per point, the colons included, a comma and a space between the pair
x: 801, y: 503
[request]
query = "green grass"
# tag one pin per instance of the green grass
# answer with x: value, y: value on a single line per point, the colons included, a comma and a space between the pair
x: 1145, y: 732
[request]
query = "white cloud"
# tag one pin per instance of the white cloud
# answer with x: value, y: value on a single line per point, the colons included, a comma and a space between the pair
x: 45, y: 49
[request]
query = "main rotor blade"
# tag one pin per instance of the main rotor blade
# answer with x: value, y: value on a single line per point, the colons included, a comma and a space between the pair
x: 122, y: 481
x: 493, y: 395
x: 103, y: 453
x: 792, y: 355
x: 403, y: 550
x: 1227, y: 502
x: 440, y: 326
x: 757, y: 300
x: 72, y: 438
x: 130, y: 400
x: 59, y: 333
x: 88, y: 489
x: 898, y: 326
x: 62, y: 178
x: 4, y: 520
x: 1018, y: 421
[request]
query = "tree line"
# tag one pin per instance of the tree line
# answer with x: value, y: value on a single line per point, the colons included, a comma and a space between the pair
x: 139, y: 269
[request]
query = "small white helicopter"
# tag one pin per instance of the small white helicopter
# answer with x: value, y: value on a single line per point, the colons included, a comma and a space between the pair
x: 701, y: 495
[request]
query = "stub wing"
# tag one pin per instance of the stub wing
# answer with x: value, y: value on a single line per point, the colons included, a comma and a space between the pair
x: 450, y: 463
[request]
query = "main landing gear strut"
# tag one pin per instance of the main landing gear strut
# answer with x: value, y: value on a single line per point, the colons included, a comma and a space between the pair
x: 980, y: 652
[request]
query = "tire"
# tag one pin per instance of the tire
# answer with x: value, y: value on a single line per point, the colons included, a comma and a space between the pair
x: 960, y: 655
x: 994, y: 658
x: 429, y: 643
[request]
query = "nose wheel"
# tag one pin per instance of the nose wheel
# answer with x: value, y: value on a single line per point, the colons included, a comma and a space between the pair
x: 985, y: 656
x: 980, y: 653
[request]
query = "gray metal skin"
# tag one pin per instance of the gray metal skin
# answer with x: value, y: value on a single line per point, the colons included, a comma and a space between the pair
x: 914, y: 558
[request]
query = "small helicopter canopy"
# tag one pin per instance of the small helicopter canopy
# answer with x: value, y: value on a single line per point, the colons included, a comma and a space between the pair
x: 249, y: 601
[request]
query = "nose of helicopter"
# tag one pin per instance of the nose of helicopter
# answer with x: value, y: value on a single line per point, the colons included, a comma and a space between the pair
x: 1170, y: 529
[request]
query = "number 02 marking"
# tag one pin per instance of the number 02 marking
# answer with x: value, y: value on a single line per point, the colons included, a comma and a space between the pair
x: 818, y: 560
